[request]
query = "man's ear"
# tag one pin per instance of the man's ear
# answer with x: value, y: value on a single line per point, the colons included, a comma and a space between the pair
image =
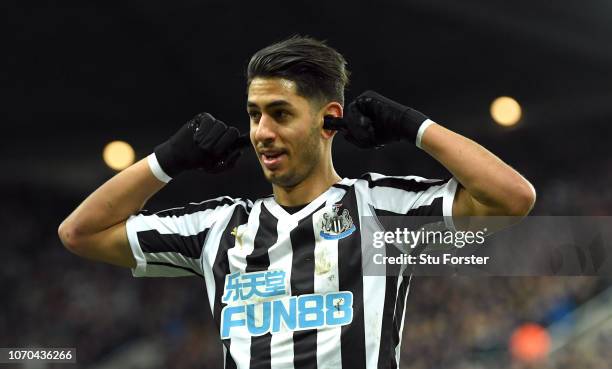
x: 333, y: 109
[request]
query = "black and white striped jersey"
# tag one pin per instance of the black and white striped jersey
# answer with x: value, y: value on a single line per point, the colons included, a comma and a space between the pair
x: 288, y: 290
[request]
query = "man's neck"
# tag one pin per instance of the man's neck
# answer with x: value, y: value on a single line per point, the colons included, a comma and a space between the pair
x: 305, y: 191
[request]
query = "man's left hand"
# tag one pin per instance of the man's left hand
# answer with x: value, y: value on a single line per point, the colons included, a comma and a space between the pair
x: 373, y: 120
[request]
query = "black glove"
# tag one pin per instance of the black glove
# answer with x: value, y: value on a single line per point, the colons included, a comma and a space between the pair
x: 373, y: 120
x: 202, y: 143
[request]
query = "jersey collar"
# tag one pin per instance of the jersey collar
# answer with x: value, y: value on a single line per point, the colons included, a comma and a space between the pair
x: 279, y: 213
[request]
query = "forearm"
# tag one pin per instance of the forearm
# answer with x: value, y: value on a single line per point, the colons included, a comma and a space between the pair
x: 113, y: 202
x: 489, y: 186
x: 490, y: 181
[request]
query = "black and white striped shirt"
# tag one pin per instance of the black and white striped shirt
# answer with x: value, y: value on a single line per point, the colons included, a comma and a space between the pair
x: 288, y: 290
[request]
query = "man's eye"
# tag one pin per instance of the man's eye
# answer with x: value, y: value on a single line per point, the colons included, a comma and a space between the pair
x: 282, y: 114
x: 254, y: 115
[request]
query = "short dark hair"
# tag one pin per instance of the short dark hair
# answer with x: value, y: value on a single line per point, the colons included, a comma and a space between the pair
x: 318, y: 70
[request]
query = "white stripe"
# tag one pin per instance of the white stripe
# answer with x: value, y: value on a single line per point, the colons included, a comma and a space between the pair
x: 224, y: 356
x: 450, y: 190
x: 219, y: 199
x: 373, y: 286
x: 421, y: 131
x: 209, y: 254
x: 184, y: 225
x: 141, y: 263
x: 281, y: 258
x: 348, y: 181
x: 237, y: 255
x: 156, y: 169
x: 240, y: 346
x: 393, y: 199
x: 398, y: 349
x: 376, y: 176
x: 326, y: 280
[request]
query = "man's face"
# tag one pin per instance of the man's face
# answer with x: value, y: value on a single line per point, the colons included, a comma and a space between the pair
x: 284, y: 131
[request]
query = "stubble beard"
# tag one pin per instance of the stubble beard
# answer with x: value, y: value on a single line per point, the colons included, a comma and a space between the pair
x: 303, y: 165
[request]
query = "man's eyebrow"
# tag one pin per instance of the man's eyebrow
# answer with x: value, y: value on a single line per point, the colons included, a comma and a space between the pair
x: 273, y: 104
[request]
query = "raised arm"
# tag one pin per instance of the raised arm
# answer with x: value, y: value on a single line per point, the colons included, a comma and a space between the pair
x: 96, y: 228
x: 487, y: 185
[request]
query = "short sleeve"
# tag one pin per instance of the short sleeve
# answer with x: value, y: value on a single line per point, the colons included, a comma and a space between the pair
x: 412, y: 195
x: 169, y: 243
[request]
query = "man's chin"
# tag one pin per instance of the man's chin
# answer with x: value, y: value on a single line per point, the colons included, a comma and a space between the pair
x: 278, y: 178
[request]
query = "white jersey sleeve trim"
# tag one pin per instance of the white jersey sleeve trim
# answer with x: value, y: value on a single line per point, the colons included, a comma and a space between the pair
x: 447, y: 203
x: 157, y: 170
x: 141, y: 261
x: 421, y: 131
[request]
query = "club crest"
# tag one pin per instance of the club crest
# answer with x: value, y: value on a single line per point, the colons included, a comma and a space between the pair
x: 335, y: 225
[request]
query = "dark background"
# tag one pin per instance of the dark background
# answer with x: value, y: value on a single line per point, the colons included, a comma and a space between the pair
x: 76, y: 75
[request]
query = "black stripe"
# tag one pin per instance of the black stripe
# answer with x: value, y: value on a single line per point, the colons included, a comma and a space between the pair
x: 341, y: 186
x: 220, y: 269
x: 433, y: 209
x: 266, y: 236
x: 386, y: 352
x: 399, y: 309
x: 229, y: 360
x: 350, y: 278
x: 259, y: 260
x: 195, y: 207
x: 410, y: 185
x: 189, y: 246
x: 175, y: 266
x: 302, y: 282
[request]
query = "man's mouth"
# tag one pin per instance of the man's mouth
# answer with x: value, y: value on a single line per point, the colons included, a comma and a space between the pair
x: 272, y: 159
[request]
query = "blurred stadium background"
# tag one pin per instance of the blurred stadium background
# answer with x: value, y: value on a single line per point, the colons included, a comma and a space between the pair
x: 78, y: 75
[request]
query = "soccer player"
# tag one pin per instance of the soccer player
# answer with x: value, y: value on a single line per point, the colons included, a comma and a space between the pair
x: 284, y: 274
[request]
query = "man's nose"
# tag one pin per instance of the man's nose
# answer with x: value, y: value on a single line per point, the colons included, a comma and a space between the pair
x: 266, y: 129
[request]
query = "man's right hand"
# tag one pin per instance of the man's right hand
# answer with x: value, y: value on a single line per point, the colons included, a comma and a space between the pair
x: 202, y: 143
x: 373, y: 120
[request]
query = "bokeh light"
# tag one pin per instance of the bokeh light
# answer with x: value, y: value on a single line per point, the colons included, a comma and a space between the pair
x: 506, y: 111
x: 118, y: 155
x: 530, y: 343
